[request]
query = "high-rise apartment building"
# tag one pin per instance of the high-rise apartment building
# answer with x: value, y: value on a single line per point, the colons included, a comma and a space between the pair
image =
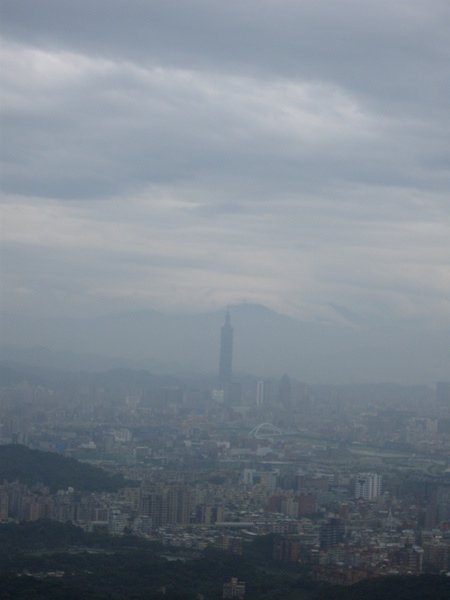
x: 260, y: 393
x: 331, y: 534
x: 367, y: 486
x: 167, y: 506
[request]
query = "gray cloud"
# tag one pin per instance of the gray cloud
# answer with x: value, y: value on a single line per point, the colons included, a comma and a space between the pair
x: 191, y: 154
x: 381, y: 50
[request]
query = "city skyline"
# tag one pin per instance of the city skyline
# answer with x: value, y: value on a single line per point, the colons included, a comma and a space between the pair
x: 267, y: 344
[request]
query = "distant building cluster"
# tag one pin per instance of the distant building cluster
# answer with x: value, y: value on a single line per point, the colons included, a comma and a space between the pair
x: 234, y: 589
x: 348, y: 481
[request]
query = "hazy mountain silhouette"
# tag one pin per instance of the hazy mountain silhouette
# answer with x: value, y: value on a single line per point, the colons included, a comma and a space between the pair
x: 265, y: 343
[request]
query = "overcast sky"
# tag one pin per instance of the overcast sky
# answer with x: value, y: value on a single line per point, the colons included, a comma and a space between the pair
x: 183, y: 155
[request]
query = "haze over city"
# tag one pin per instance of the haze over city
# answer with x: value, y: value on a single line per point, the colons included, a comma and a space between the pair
x: 225, y: 299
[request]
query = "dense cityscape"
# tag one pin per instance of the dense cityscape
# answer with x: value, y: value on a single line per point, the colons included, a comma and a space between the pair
x: 225, y: 300
x: 347, y: 482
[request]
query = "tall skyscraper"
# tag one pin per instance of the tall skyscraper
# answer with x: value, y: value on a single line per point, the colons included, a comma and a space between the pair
x: 226, y: 350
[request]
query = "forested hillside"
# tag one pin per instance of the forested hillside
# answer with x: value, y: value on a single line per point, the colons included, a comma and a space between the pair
x: 19, y: 463
x: 54, y: 560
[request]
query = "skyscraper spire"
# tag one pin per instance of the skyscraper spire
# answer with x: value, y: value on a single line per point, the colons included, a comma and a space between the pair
x: 226, y: 350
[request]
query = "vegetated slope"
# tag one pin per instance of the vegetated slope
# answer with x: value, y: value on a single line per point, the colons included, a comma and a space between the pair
x: 423, y: 587
x: 19, y: 463
x: 99, y: 567
x: 29, y: 536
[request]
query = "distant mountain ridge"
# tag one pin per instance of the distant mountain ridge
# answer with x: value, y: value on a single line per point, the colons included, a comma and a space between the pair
x: 266, y: 343
x: 13, y: 374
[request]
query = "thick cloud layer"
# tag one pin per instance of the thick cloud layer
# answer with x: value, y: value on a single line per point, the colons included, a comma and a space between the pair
x: 186, y: 155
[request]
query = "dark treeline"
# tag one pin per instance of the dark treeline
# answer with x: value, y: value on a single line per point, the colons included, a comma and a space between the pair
x: 60, y: 560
